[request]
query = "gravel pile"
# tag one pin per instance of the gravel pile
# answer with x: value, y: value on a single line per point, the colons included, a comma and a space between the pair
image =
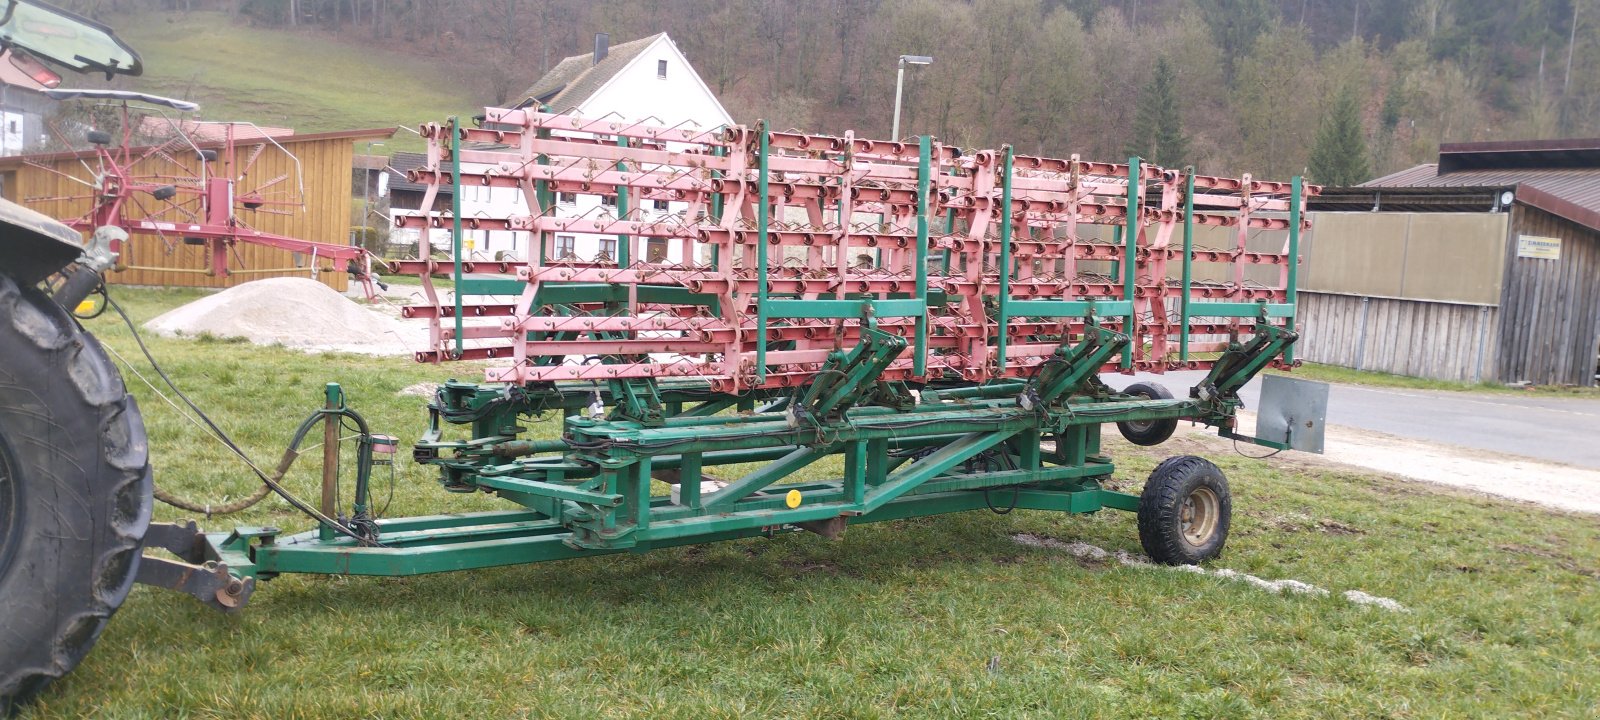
x: 298, y: 313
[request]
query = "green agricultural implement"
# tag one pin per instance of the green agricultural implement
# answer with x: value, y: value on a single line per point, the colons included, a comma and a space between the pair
x: 845, y: 331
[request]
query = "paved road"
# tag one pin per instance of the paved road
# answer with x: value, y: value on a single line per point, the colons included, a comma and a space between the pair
x: 1564, y: 430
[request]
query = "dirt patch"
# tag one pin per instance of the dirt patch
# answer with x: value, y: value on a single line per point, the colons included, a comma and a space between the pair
x: 1334, y: 527
x: 806, y: 567
x: 421, y: 389
x: 1296, y: 522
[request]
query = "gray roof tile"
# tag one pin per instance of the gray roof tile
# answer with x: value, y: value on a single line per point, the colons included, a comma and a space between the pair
x: 575, y: 79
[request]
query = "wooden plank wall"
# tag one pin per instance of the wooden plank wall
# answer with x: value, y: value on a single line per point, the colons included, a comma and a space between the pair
x: 1550, y: 323
x: 325, y: 166
x: 1419, y: 338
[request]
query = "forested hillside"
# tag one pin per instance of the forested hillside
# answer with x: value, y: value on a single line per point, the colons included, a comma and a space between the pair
x: 1345, y: 88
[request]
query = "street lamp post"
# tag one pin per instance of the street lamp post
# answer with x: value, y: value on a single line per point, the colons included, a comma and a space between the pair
x: 899, y: 85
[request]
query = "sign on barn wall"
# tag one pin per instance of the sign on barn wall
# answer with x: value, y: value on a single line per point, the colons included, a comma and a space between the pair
x: 1542, y: 248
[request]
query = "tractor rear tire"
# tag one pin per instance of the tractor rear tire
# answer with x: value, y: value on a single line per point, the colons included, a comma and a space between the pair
x: 1185, y: 511
x: 75, y: 492
x: 1148, y: 432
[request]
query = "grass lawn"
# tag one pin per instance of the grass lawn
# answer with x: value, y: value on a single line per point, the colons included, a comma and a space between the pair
x: 309, y: 80
x: 938, y: 617
x: 1336, y: 374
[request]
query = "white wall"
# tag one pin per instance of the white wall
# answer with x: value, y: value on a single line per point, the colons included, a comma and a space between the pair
x: 638, y: 92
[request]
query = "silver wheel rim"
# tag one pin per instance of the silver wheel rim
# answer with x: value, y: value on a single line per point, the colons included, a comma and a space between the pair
x: 1197, y: 516
x: 1140, y: 427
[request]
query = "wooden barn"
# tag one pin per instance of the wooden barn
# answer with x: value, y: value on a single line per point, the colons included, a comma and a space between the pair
x: 308, y: 173
x: 1484, y: 266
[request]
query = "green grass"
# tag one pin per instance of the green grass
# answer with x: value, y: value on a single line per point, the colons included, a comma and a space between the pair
x: 308, y: 80
x: 899, y: 619
x: 1347, y: 376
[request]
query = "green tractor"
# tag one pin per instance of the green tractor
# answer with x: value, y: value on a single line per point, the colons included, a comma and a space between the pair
x: 75, y: 489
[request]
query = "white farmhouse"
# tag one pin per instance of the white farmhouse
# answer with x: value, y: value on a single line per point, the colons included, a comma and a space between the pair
x: 646, y: 80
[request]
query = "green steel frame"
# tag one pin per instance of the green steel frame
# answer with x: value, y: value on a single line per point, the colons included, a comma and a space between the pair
x: 903, y: 455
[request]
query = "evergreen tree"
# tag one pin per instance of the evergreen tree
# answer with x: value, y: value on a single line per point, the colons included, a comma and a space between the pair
x: 1340, y: 155
x: 1158, y: 128
x: 1236, y: 24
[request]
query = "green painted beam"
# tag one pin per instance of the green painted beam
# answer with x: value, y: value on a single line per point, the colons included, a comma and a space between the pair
x: 1240, y: 309
x: 919, y: 350
x: 843, y: 308
x: 1290, y: 287
x: 1130, y: 243
x: 765, y: 201
x: 1070, y: 308
x: 1188, y: 263
x: 1003, y: 311
x: 489, y: 286
x: 548, y: 489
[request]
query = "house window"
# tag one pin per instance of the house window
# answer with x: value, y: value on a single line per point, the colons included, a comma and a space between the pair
x: 656, y: 250
x: 566, y: 247
x: 608, y: 249
x: 659, y: 204
x: 566, y: 199
x: 661, y: 68
x: 608, y: 200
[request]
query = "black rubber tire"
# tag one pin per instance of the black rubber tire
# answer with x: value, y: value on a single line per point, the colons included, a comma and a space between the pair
x: 1148, y: 432
x: 1161, y: 510
x: 75, y: 492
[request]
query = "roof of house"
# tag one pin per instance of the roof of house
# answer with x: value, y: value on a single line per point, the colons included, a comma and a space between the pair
x: 1561, y: 177
x: 577, y: 78
x: 401, y: 162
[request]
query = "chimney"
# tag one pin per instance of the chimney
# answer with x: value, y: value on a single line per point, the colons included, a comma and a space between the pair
x: 602, y: 45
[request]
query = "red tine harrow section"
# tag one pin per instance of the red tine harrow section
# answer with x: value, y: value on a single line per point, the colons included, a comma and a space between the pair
x: 787, y: 247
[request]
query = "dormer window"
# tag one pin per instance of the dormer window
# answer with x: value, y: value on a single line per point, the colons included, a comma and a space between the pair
x: 661, y: 69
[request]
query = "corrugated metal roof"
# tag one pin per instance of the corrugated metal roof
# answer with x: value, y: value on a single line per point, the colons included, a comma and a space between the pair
x: 575, y: 79
x: 1406, y: 178
x: 1576, y: 191
x: 1520, y: 154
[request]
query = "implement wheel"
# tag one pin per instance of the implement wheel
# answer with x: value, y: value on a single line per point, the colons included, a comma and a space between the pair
x: 75, y: 492
x: 1184, y: 511
x: 1148, y: 432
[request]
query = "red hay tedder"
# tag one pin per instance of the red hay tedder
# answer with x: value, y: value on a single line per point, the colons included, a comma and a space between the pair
x: 194, y: 185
